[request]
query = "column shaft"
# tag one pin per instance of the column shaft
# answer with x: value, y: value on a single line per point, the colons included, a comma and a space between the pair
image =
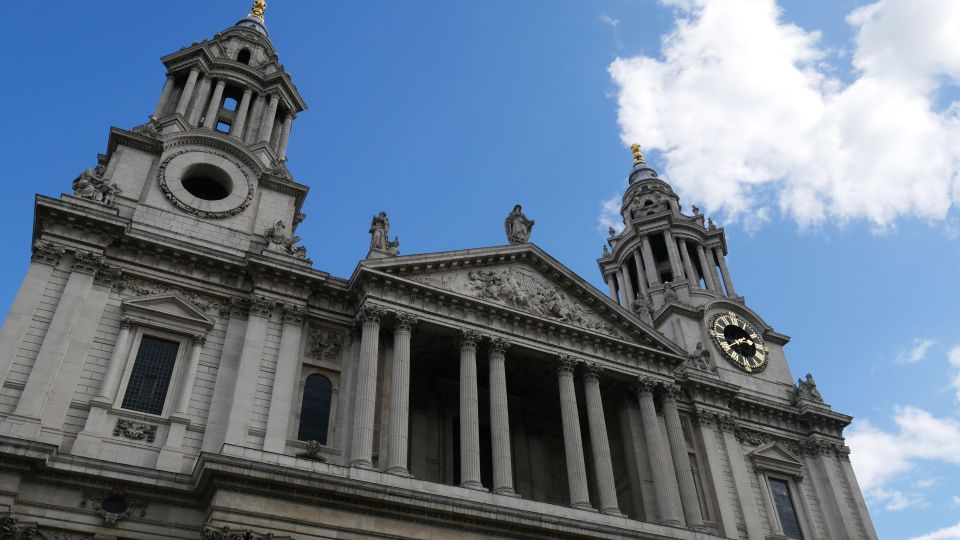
x: 612, y: 283
x: 108, y: 390
x: 725, y: 272
x: 164, y: 96
x: 187, y: 91
x: 714, y: 273
x: 572, y: 441
x: 628, y: 286
x: 248, y: 368
x: 400, y: 396
x: 675, y: 267
x: 254, y: 119
x: 186, y: 386
x: 238, y: 125
x: 649, y: 265
x: 658, y: 458
x: 269, y: 116
x: 285, y: 380
x: 203, y: 94
x: 600, y: 443
x: 469, y: 412
x: 210, y: 120
x: 500, y: 419
x: 366, y: 390
x: 641, y: 280
x: 284, y: 135
x: 705, y: 267
x: 687, y: 265
x: 705, y: 420
x: 681, y: 460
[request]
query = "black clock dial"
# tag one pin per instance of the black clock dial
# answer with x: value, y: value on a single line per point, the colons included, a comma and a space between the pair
x: 739, y: 342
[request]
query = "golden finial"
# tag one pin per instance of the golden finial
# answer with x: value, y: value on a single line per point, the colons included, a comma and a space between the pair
x: 259, y: 7
x: 637, y: 156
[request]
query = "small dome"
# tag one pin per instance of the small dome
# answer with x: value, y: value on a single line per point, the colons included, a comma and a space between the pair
x: 255, y: 23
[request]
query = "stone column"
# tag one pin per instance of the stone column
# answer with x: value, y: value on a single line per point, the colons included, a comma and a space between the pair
x: 725, y: 272
x: 675, y: 265
x: 705, y: 422
x: 187, y: 91
x: 210, y: 120
x: 628, y: 287
x: 861, y: 505
x: 164, y: 95
x: 121, y: 350
x: 500, y: 419
x: 366, y: 389
x: 469, y: 412
x: 190, y: 375
x: 266, y: 127
x: 649, y: 265
x: 240, y: 122
x: 669, y: 515
x: 572, y: 442
x: 612, y: 283
x: 255, y: 119
x: 681, y: 460
x: 707, y: 270
x: 688, y: 265
x: 400, y: 396
x: 45, y: 258
x: 284, y: 135
x: 741, y: 478
x: 711, y: 258
x: 260, y: 310
x: 203, y: 94
x: 640, y: 277
x: 285, y: 383
x: 600, y: 443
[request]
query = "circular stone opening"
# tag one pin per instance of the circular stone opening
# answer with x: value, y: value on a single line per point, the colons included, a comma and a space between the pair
x: 204, y: 181
x: 114, y: 505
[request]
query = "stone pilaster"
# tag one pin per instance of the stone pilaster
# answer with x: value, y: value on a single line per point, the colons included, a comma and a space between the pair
x: 285, y: 380
x: 400, y: 395
x: 572, y: 441
x: 681, y: 461
x: 366, y: 387
x: 599, y: 442
x: 705, y: 421
x: 669, y: 514
x: 500, y: 419
x: 469, y: 412
x: 238, y: 424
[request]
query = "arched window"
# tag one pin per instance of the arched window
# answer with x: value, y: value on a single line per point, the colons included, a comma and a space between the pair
x: 243, y: 56
x: 315, y: 410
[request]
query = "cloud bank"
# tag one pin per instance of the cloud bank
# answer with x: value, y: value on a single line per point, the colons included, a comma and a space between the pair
x: 749, y: 116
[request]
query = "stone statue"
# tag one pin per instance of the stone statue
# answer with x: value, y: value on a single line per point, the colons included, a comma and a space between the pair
x: 696, y: 209
x: 711, y: 225
x: 606, y: 252
x: 612, y: 232
x: 700, y: 358
x: 642, y: 309
x: 278, y: 240
x: 108, y: 191
x: 393, y: 248
x: 807, y: 389
x: 669, y: 294
x: 379, y: 232
x: 517, y: 226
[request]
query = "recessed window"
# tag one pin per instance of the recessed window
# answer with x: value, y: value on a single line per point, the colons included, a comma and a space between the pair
x: 315, y: 410
x: 785, y: 509
x: 114, y: 505
x: 207, y: 182
x: 150, y: 378
x: 243, y: 56
x: 223, y: 127
x: 230, y: 104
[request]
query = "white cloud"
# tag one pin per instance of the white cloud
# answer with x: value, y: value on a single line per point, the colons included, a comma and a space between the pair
x: 614, y: 24
x: 896, y: 501
x: 610, y: 215
x: 925, y: 483
x: 954, y: 358
x: 747, y: 114
x: 955, y: 501
x: 879, y: 456
x: 916, y: 353
x: 943, y: 534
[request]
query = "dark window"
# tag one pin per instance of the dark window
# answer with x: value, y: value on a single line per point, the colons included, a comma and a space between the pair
x: 785, y: 509
x: 243, y: 56
x: 315, y: 411
x: 207, y: 182
x: 150, y: 379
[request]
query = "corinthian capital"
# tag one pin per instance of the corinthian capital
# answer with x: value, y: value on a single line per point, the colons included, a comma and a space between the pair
x: 592, y: 371
x: 370, y: 313
x: 469, y: 339
x: 646, y: 385
x: 567, y: 364
x: 499, y: 345
x: 406, y: 322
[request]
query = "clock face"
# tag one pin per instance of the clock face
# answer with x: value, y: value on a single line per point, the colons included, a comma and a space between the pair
x: 740, y: 343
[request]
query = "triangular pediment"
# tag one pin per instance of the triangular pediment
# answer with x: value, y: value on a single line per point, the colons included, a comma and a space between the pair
x: 772, y: 456
x: 167, y: 306
x: 526, y: 279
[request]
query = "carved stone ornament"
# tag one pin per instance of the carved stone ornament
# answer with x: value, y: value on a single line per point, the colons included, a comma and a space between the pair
x: 405, y: 322
x: 293, y: 314
x: 370, y: 313
x: 141, y: 287
x: 91, y: 185
x: 671, y: 392
x: 592, y: 371
x: 114, y: 506
x: 380, y: 244
x: 279, y: 241
x: 517, y: 226
x: 9, y: 529
x: 646, y: 385
x: 700, y: 359
x: 469, y: 339
x: 566, y: 364
x: 205, y: 214
x: 137, y: 431
x: 226, y: 533
x: 324, y: 344
x: 807, y: 389
x: 150, y: 129
x: 642, y: 309
x: 261, y: 305
x: 312, y: 452
x: 669, y: 294
x: 522, y: 289
x: 499, y: 345
x: 47, y: 252
x: 108, y: 276
x: 87, y: 262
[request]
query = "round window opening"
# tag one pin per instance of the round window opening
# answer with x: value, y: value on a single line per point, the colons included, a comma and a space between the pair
x: 114, y: 505
x: 207, y: 182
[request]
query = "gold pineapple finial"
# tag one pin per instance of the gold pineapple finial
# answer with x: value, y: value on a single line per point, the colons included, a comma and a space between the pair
x: 637, y: 156
x: 259, y: 7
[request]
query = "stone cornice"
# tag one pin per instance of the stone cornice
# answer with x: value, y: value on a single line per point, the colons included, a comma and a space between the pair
x: 137, y: 141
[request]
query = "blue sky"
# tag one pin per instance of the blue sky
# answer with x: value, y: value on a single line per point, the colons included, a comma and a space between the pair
x: 825, y: 142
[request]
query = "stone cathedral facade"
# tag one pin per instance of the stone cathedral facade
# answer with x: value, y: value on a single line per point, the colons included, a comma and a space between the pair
x: 173, y: 366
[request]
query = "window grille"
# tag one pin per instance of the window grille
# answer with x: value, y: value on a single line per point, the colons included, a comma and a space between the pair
x: 150, y: 378
x: 315, y: 410
x: 785, y: 509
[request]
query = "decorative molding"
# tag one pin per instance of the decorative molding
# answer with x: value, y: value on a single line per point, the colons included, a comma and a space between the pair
x: 108, y: 275
x: 370, y: 313
x: 47, y: 252
x: 312, y: 452
x: 324, y: 344
x: 137, y: 431
x: 10, y: 529
x: 261, y: 305
x: 671, y: 391
x: 567, y: 364
x: 405, y: 322
x: 142, y: 287
x: 499, y: 345
x: 132, y: 507
x: 203, y: 214
x: 592, y: 371
x: 87, y: 263
x: 199, y: 340
x: 646, y: 385
x: 293, y: 314
x: 226, y: 533
x: 469, y: 339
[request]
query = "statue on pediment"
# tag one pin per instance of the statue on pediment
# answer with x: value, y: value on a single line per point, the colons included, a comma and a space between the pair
x: 380, y: 232
x: 807, y: 389
x: 517, y: 226
x: 278, y: 240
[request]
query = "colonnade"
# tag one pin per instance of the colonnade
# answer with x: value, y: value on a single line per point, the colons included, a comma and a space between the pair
x: 680, y: 253
x: 254, y: 120
x: 673, y: 478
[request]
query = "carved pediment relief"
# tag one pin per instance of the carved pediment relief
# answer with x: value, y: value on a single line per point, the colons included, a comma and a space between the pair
x: 521, y: 287
x: 167, y: 309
